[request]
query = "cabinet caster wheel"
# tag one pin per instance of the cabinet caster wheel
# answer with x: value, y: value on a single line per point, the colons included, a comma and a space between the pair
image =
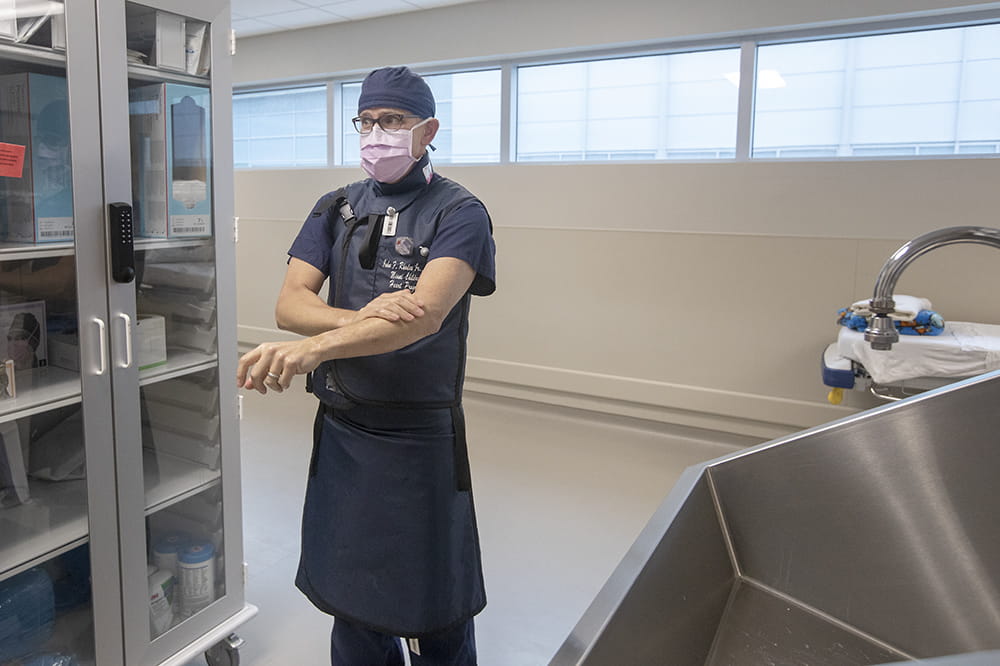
x: 225, y: 653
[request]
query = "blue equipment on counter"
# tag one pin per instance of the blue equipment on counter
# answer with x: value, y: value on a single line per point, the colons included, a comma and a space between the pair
x: 927, y: 322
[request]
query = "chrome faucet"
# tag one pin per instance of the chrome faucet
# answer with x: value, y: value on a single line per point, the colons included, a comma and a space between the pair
x: 881, y: 332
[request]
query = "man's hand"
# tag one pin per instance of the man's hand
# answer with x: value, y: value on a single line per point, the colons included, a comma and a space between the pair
x: 273, y: 365
x: 393, y: 306
x: 390, y: 322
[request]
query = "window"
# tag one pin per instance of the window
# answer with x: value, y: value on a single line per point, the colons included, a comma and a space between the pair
x: 280, y: 128
x: 678, y: 106
x: 922, y: 91
x: 468, y: 106
x: 932, y: 92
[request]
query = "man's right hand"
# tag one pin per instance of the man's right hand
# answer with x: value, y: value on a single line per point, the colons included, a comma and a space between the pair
x: 392, y: 306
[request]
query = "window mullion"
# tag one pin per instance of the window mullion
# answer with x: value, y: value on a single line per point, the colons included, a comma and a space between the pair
x: 508, y: 88
x: 333, y: 121
x: 848, y: 81
x: 963, y: 62
x: 744, y: 109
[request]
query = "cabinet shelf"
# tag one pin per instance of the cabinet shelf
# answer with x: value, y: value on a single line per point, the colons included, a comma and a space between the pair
x: 33, y: 55
x: 20, y: 251
x: 171, y: 243
x: 154, y: 75
x: 179, y: 363
x: 42, y: 390
x: 54, y: 387
x: 176, y: 479
x: 52, y: 522
x: 55, y: 519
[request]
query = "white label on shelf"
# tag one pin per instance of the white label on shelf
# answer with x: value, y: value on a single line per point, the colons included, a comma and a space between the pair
x: 190, y: 225
x: 55, y: 228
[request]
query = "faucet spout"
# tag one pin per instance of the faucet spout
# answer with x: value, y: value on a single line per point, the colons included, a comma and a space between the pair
x: 881, y: 332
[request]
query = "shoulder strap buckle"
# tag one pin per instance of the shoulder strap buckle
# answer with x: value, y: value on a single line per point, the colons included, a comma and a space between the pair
x: 339, y: 201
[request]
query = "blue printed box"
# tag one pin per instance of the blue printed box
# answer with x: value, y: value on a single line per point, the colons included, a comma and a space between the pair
x: 37, y: 206
x: 170, y: 128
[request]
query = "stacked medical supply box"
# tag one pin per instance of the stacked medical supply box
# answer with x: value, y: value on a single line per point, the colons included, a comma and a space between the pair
x: 171, y: 167
x: 151, y: 341
x: 23, y: 335
x: 37, y: 205
x: 8, y: 20
x: 183, y: 418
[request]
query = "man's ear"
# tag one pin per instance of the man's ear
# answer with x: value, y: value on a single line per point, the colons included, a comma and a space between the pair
x: 430, y: 131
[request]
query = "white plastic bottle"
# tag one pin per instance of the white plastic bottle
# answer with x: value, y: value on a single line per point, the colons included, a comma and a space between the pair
x: 196, y: 569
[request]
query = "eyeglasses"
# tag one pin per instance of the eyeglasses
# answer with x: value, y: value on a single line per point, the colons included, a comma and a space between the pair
x: 389, y: 122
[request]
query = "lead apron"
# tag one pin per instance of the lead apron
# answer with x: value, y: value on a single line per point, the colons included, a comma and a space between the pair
x: 387, y: 540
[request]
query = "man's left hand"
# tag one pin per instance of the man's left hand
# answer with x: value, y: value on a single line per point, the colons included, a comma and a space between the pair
x: 273, y: 365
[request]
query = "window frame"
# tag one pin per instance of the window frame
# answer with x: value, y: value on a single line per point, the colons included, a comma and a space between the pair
x: 747, y: 42
x: 285, y: 88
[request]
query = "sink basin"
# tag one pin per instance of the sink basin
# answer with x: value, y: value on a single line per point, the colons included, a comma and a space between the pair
x: 874, y: 539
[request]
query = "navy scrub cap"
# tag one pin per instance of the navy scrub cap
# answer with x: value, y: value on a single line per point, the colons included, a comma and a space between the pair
x: 397, y: 88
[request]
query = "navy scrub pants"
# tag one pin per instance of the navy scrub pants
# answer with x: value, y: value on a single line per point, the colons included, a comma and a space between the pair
x: 354, y: 645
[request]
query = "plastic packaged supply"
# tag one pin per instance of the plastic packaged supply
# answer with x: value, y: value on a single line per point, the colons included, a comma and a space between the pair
x: 161, y: 593
x: 27, y: 613
x: 48, y: 660
x: 196, y: 52
x: 196, y: 567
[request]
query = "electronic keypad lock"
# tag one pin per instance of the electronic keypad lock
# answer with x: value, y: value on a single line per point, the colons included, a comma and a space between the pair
x: 122, y: 254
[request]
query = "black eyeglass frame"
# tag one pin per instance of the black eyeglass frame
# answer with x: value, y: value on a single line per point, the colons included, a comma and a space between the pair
x: 360, y: 121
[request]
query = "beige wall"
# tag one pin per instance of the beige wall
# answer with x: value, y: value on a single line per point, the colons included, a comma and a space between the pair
x: 497, y: 28
x: 698, y: 294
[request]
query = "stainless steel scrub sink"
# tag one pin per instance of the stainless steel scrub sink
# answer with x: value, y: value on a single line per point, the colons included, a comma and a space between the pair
x: 874, y: 539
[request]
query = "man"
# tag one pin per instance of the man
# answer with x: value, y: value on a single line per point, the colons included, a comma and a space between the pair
x: 389, y: 540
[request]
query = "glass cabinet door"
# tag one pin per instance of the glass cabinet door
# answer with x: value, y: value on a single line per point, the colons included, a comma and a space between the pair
x: 47, y: 455
x: 173, y: 378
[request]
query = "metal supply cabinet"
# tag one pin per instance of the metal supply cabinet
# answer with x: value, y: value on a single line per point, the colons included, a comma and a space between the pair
x: 119, y: 441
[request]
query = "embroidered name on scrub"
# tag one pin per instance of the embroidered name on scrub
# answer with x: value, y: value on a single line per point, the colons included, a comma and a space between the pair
x: 402, y: 274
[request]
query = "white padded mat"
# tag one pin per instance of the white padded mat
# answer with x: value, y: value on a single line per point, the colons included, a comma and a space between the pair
x: 964, y: 349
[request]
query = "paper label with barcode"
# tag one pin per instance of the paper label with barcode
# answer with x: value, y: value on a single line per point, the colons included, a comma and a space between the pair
x: 190, y: 225
x: 55, y: 228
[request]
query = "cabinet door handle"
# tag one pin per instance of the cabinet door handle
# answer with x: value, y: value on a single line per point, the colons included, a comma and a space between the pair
x: 128, y: 339
x: 102, y: 333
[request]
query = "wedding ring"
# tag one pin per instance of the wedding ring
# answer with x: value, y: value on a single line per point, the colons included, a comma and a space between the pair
x: 272, y: 375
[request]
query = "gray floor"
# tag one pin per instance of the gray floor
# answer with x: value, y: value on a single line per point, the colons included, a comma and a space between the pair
x: 560, y: 496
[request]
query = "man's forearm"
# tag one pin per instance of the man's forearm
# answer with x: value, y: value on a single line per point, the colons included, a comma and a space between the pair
x: 372, y: 336
x: 309, y: 315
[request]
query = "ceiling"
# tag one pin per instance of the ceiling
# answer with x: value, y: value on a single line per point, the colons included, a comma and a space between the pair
x: 256, y: 17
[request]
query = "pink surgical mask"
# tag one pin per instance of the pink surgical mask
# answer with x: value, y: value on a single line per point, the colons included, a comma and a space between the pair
x: 386, y: 156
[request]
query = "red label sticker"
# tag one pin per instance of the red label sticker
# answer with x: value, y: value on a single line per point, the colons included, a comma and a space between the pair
x: 11, y: 160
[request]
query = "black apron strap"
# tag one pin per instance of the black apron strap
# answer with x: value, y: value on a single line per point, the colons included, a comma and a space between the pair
x: 317, y: 436
x: 370, y: 247
x: 463, y: 475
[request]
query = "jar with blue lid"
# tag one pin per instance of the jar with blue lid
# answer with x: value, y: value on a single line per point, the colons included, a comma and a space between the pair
x: 167, y: 548
x: 196, y: 574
